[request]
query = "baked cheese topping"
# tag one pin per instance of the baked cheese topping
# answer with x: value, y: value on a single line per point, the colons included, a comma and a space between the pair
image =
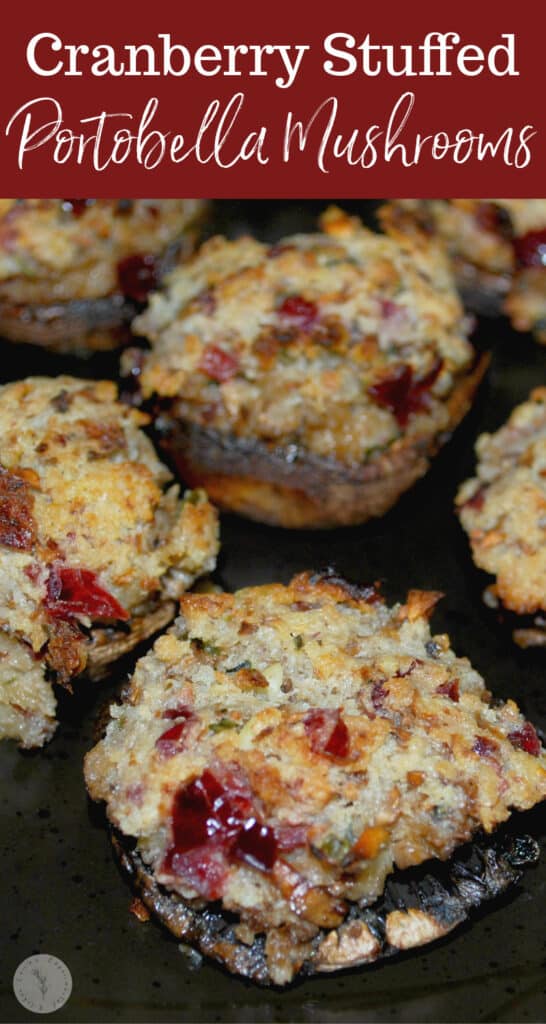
x: 58, y: 249
x: 340, y: 341
x: 503, y: 508
x: 90, y: 530
x: 283, y: 748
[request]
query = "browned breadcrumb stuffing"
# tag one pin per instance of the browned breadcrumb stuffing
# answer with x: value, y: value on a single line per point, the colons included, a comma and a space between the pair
x: 496, y: 245
x: 503, y: 508
x: 91, y: 533
x: 55, y: 250
x: 283, y: 748
x: 339, y: 342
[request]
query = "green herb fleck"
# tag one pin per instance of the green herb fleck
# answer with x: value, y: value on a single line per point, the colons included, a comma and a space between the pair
x: 205, y: 646
x: 221, y: 724
x: 336, y: 848
x: 193, y: 497
x: 298, y: 642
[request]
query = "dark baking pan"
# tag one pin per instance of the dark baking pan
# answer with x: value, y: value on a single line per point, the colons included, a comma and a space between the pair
x: 64, y: 895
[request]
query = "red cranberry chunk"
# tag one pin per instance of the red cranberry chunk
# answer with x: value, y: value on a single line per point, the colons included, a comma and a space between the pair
x: 206, y: 300
x: 289, y: 837
x: 193, y: 806
x: 298, y: 310
x: 389, y: 308
x: 173, y: 740
x: 204, y: 868
x: 137, y: 276
x: 526, y: 739
x: 401, y: 673
x: 327, y: 732
x: 256, y: 844
x: 218, y: 364
x: 214, y: 821
x: 74, y: 592
x: 379, y: 695
x: 477, y: 500
x: 449, y: 689
x: 178, y: 711
x: 530, y: 249
x: 485, y: 747
x: 404, y: 394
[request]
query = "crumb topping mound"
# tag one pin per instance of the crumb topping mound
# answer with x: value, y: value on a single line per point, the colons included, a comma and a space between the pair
x: 503, y: 508
x: 90, y: 530
x: 283, y: 748
x: 497, y: 244
x: 339, y: 341
x: 489, y: 233
x: 53, y: 250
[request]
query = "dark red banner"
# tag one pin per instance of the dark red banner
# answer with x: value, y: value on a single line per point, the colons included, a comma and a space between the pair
x: 272, y: 101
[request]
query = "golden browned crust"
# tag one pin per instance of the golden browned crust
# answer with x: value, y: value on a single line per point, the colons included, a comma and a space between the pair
x: 306, y: 492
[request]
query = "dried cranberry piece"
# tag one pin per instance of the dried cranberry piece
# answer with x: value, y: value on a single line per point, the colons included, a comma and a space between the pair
x: 379, y: 695
x: 206, y: 300
x: 402, y: 393
x: 526, y: 739
x: 401, y: 673
x: 327, y: 732
x: 172, y: 741
x: 192, y: 808
x: 530, y: 249
x: 389, y: 308
x: 256, y: 844
x: 138, y: 276
x: 204, y: 868
x: 135, y: 793
x: 450, y: 689
x: 213, y: 820
x: 218, y: 364
x: 289, y: 837
x: 477, y: 500
x: 301, y: 312
x: 74, y: 592
x: 178, y: 711
x: 485, y: 747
